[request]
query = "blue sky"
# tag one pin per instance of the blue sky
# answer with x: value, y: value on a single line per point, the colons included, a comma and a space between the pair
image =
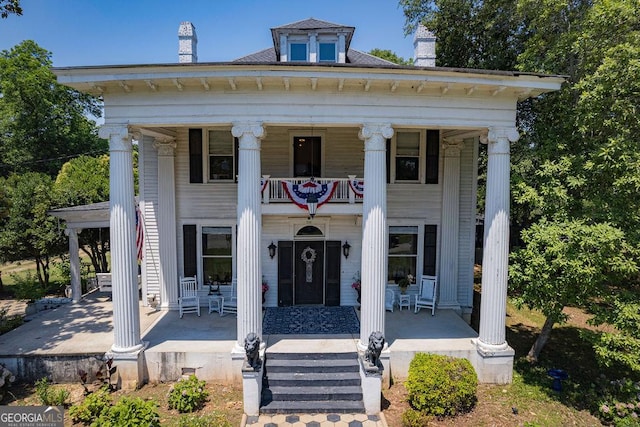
x: 110, y: 32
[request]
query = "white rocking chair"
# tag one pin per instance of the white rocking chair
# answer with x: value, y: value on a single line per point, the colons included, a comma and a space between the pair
x: 427, y: 294
x: 389, y: 300
x: 189, y: 301
x: 230, y: 305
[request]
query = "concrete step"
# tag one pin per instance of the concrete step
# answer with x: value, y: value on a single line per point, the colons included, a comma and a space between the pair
x: 295, y: 393
x: 312, y: 356
x: 300, y: 379
x: 313, y: 406
x: 308, y: 365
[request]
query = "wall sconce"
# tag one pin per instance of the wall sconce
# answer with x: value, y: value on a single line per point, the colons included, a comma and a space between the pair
x: 345, y: 249
x: 312, y: 204
x: 272, y: 250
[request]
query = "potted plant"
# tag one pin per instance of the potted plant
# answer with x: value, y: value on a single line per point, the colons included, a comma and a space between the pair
x: 265, y: 288
x: 356, y: 285
x: 404, y: 283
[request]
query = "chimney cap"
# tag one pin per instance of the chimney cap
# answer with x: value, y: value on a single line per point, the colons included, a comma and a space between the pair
x: 187, y: 29
x: 423, y: 33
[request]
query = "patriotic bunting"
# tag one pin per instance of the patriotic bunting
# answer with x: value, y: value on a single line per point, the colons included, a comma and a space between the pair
x: 263, y: 184
x: 298, y: 193
x: 357, y: 186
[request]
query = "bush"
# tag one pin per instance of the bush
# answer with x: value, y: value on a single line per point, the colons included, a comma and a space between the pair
x: 188, y: 395
x: 413, y: 418
x: 50, y: 396
x: 91, y: 407
x: 8, y: 323
x: 213, y: 419
x: 27, y: 287
x: 441, y: 385
x: 620, y: 402
x: 129, y: 412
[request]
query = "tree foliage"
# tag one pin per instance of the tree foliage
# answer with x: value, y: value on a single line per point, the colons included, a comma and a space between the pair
x: 42, y: 123
x: 28, y: 232
x: 390, y: 56
x: 9, y: 6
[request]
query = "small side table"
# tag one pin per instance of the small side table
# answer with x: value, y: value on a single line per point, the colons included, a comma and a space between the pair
x: 215, y: 303
x: 404, y: 300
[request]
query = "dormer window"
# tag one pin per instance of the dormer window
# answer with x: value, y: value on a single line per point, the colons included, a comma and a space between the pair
x: 298, y: 51
x: 327, y: 52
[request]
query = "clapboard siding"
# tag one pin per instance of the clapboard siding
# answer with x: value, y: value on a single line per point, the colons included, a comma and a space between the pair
x: 148, y: 185
x: 467, y: 215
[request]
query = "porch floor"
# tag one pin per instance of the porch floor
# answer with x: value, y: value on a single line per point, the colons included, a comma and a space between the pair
x: 87, y: 328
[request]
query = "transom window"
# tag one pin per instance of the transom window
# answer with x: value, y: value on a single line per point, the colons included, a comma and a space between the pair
x: 298, y: 52
x: 403, y: 252
x: 217, y: 255
x: 408, y: 156
x: 327, y: 52
x: 221, y: 155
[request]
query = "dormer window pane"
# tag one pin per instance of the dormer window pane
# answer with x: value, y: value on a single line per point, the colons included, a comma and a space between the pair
x: 298, y: 51
x: 327, y: 52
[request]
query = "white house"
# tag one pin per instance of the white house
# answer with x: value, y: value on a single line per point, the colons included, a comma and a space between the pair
x: 390, y: 152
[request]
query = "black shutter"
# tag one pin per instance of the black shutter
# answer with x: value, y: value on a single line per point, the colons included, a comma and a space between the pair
x: 332, y: 294
x: 190, y: 261
x: 388, y: 161
x: 285, y: 273
x: 430, y: 248
x: 432, y: 157
x: 195, y: 156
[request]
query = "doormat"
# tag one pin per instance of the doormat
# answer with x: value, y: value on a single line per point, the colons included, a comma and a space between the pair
x: 310, y: 320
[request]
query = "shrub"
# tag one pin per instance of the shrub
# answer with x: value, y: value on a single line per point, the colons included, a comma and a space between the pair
x: 413, y: 418
x: 6, y: 379
x: 27, y: 287
x: 620, y: 402
x: 217, y: 419
x: 441, y: 385
x: 129, y: 412
x: 50, y: 396
x: 8, y: 323
x: 91, y: 407
x: 187, y: 395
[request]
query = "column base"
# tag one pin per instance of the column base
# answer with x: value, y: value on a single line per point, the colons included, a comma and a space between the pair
x: 493, y: 363
x: 130, y: 373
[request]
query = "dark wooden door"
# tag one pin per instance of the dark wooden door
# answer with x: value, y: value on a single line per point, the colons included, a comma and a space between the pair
x: 309, y: 272
x: 285, y: 273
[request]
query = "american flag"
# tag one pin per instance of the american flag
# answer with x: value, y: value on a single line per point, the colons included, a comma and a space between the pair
x: 139, y: 233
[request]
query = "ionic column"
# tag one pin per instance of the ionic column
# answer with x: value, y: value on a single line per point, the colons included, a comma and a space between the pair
x: 166, y: 223
x: 74, y: 263
x: 495, y: 260
x: 375, y: 246
x: 124, y: 265
x: 249, y: 230
x: 448, y: 286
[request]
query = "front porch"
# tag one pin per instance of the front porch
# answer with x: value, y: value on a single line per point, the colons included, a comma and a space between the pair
x: 56, y: 343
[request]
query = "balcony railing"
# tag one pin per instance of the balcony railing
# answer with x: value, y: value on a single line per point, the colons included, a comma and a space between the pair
x: 275, y: 193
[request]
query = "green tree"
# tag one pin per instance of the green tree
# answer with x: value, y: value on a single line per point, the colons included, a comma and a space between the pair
x: 390, y: 56
x: 82, y: 181
x: 42, y: 123
x: 10, y: 6
x: 565, y: 264
x: 28, y: 232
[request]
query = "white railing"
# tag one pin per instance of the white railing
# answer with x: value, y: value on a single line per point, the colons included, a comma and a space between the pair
x: 275, y: 193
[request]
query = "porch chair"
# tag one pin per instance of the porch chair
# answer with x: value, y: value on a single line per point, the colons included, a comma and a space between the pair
x: 231, y: 305
x: 189, y: 301
x: 427, y: 294
x: 389, y: 300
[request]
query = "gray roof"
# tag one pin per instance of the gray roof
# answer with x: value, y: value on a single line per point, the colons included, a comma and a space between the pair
x: 354, y: 57
x: 310, y: 24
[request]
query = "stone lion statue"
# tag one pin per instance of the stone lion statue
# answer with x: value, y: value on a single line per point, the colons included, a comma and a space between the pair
x: 376, y: 343
x: 252, y: 348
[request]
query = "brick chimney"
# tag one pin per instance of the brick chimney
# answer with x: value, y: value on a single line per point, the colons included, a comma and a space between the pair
x: 187, y: 43
x: 424, y: 47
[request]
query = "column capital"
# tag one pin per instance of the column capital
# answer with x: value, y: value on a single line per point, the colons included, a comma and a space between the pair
x: 118, y: 136
x: 375, y: 135
x: 165, y: 146
x: 452, y: 147
x: 255, y: 129
x: 509, y: 133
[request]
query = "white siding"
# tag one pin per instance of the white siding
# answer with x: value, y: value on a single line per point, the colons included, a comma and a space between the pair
x: 148, y: 179
x: 466, y: 243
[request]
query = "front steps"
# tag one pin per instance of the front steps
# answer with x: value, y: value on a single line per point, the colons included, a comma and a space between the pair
x: 312, y: 383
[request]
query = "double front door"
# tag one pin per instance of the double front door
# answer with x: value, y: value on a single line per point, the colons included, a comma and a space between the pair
x: 308, y: 272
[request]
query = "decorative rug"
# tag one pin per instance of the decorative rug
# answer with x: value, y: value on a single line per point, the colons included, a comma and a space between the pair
x: 310, y: 320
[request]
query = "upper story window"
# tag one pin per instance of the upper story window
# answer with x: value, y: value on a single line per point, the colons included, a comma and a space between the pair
x: 327, y: 52
x: 221, y: 155
x: 298, y: 51
x: 408, y: 156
